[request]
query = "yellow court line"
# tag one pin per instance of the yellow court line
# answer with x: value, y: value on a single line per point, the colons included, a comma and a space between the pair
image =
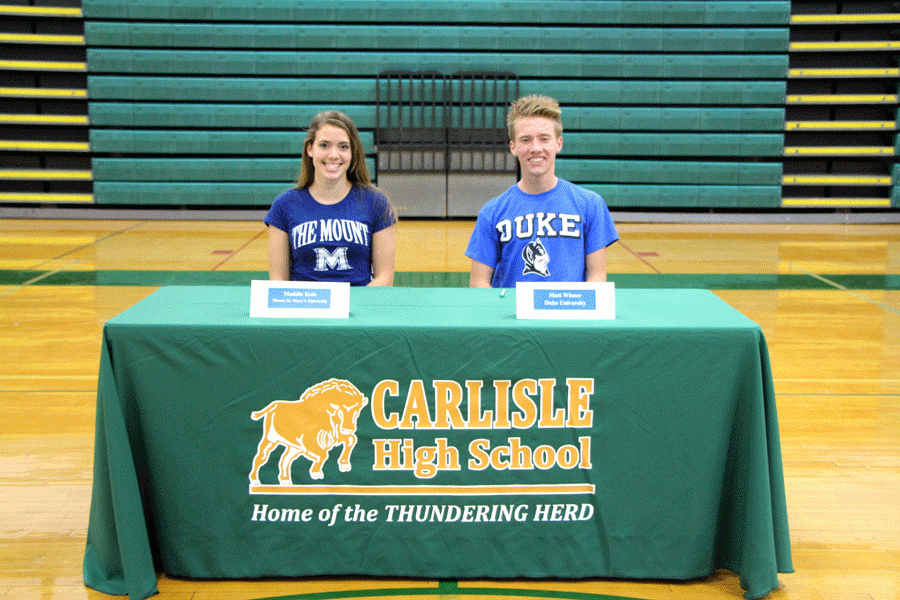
x: 844, y: 98
x: 845, y: 18
x: 843, y: 72
x: 27, y: 265
x: 832, y: 267
x: 42, y: 174
x: 67, y: 146
x: 36, y: 38
x: 16, y: 197
x: 826, y: 244
x: 843, y: 202
x: 837, y: 179
x: 37, y: 11
x: 849, y: 125
x: 44, y: 376
x: 841, y: 150
x: 799, y: 46
x: 80, y: 267
x: 36, y: 65
x: 49, y: 119
x: 47, y: 240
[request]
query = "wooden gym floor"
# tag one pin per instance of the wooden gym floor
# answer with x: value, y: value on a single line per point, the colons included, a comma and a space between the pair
x: 826, y: 296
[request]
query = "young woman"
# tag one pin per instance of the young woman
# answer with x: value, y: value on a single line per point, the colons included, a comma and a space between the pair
x: 334, y: 225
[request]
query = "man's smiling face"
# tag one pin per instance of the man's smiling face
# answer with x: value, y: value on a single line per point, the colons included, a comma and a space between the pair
x: 535, y: 145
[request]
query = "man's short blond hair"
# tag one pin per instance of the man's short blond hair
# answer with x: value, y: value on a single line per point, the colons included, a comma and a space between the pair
x: 534, y: 106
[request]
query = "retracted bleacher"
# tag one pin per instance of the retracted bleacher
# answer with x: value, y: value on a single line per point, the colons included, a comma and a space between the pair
x: 841, y: 112
x: 666, y: 105
x: 44, y: 153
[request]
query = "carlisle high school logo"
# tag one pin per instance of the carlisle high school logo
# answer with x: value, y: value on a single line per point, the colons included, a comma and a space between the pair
x: 466, y: 420
x: 324, y: 417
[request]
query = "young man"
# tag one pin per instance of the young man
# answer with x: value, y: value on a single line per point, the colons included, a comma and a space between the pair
x: 543, y: 228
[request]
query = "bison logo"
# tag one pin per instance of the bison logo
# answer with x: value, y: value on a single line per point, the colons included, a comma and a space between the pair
x: 323, y: 417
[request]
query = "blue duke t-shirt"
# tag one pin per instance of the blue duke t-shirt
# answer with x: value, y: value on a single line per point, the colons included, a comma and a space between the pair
x: 541, y: 237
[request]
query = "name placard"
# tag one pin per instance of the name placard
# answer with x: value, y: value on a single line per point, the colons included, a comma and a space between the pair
x: 560, y: 300
x: 299, y: 299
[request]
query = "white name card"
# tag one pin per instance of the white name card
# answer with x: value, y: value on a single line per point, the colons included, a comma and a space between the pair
x: 560, y: 300
x: 299, y: 299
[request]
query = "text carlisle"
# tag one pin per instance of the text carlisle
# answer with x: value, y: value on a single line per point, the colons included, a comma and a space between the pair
x: 507, y: 404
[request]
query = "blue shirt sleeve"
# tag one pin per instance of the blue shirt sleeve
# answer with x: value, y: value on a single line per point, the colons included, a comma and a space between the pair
x: 484, y: 245
x: 382, y: 214
x: 600, y: 231
x: 277, y: 215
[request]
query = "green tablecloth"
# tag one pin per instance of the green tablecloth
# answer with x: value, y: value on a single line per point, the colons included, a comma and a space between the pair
x: 488, y: 447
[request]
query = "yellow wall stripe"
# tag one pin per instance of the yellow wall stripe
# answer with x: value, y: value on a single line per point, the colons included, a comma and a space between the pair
x: 848, y: 125
x: 25, y: 145
x: 45, y: 119
x: 843, y: 202
x: 836, y: 179
x: 843, y: 99
x: 35, y: 38
x: 42, y: 92
x: 43, y: 174
x: 800, y: 46
x: 32, y: 65
x: 40, y: 11
x: 14, y: 197
x: 844, y: 18
x: 844, y: 72
x: 842, y: 150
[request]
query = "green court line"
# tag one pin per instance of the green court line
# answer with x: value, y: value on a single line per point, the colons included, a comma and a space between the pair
x: 710, y: 281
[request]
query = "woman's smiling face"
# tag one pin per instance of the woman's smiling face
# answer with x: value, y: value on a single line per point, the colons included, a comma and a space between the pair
x: 331, y: 153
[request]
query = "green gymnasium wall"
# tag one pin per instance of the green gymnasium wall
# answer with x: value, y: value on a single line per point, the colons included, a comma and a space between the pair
x: 665, y: 104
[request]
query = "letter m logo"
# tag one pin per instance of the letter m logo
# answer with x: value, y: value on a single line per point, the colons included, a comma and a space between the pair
x: 332, y: 261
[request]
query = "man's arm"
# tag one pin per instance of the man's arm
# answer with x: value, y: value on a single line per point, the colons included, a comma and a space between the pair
x: 595, y: 266
x: 481, y: 275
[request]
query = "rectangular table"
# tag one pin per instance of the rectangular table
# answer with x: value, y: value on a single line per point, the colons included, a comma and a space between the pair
x: 432, y: 434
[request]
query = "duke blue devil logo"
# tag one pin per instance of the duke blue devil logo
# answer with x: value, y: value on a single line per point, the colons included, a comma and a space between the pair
x: 536, y: 259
